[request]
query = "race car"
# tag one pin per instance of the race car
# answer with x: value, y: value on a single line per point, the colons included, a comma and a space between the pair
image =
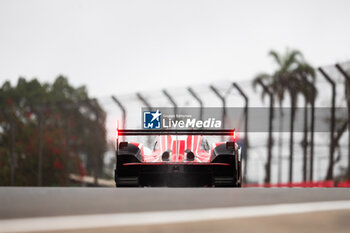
x: 179, y: 158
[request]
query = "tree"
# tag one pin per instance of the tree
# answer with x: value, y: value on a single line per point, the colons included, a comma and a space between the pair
x: 46, y: 155
x: 267, y: 90
x: 309, y: 92
x: 291, y: 66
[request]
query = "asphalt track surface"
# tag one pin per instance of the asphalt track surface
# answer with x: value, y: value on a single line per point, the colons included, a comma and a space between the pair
x: 19, y: 203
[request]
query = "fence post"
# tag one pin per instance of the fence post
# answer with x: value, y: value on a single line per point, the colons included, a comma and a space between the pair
x: 122, y: 108
x: 269, y: 150
x: 347, y: 83
x: 246, y: 99
x: 171, y: 99
x: 190, y: 90
x: 329, y: 175
x: 223, y: 100
x: 144, y: 101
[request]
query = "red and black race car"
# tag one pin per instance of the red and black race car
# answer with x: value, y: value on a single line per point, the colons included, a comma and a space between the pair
x: 180, y: 158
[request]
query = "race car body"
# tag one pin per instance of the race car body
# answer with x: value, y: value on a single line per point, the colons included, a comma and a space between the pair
x: 178, y: 159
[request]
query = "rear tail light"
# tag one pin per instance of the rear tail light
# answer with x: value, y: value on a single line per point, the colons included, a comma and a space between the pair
x: 234, y: 135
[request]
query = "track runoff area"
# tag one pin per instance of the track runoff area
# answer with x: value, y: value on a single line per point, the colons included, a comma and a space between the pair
x: 170, y: 210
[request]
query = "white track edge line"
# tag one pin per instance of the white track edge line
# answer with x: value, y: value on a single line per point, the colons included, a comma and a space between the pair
x: 75, y: 222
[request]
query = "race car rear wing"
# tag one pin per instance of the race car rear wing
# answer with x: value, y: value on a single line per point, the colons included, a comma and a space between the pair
x: 146, y: 132
x: 149, y: 132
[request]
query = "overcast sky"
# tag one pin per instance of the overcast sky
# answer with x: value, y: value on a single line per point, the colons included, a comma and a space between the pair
x: 117, y: 47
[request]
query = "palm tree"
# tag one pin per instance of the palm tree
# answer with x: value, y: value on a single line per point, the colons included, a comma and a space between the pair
x: 266, y: 90
x: 309, y: 92
x: 279, y: 91
x: 287, y: 78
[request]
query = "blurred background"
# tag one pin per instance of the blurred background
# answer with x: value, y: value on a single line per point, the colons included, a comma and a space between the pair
x: 70, y: 70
